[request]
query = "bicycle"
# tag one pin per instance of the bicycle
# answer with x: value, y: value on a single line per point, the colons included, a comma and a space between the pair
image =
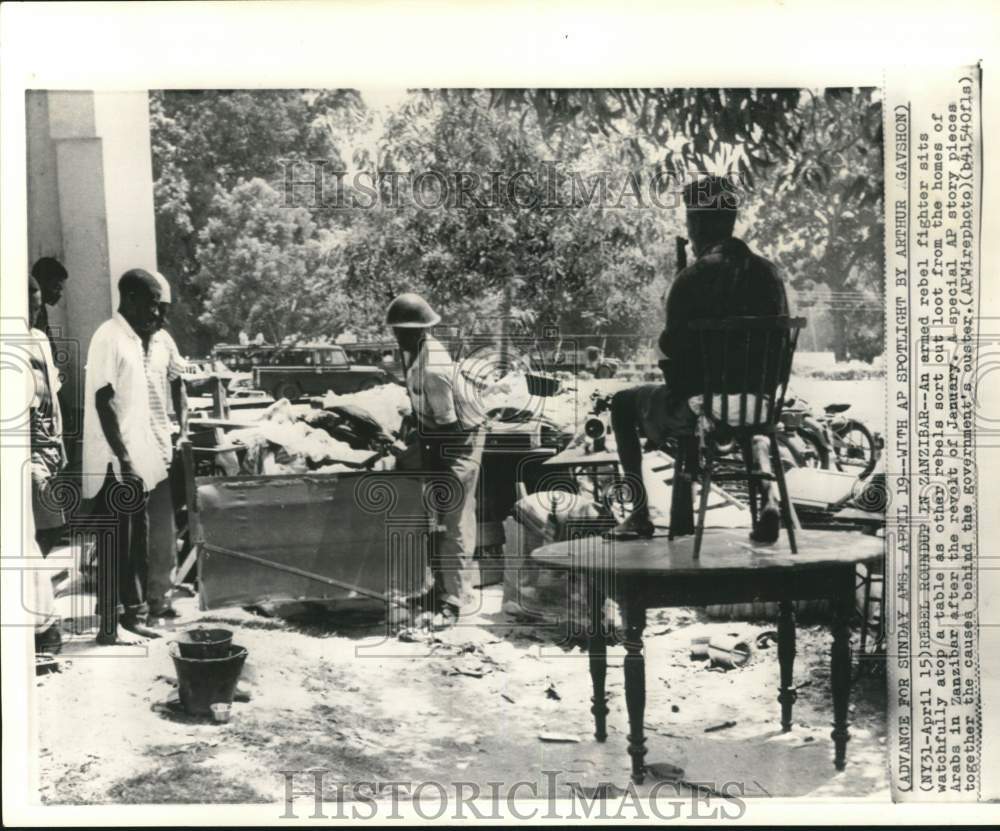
x: 831, y: 441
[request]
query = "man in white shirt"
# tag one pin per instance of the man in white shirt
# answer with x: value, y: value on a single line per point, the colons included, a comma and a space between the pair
x: 448, y: 429
x: 164, y: 369
x: 122, y: 460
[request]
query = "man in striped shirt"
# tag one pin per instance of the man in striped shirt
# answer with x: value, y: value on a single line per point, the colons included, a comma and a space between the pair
x: 164, y: 371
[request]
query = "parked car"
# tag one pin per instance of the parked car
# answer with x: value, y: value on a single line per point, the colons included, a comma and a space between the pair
x: 382, y: 353
x: 592, y: 359
x: 312, y: 369
x: 202, y: 374
x: 243, y: 385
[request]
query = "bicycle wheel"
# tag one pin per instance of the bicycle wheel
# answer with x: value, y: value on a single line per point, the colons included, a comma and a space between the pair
x: 854, y: 447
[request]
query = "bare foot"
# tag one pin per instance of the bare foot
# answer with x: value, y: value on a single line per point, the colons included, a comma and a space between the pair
x: 637, y: 525
x: 768, y: 525
x: 140, y: 629
x: 121, y: 637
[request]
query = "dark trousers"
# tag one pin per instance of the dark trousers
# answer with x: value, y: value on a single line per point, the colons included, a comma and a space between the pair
x: 162, y: 551
x: 122, y: 552
x: 655, y: 412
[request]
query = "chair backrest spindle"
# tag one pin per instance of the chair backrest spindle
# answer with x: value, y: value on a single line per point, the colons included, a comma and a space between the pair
x: 767, y: 345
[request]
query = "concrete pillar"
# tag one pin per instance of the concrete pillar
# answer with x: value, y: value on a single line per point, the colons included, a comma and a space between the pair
x: 90, y: 205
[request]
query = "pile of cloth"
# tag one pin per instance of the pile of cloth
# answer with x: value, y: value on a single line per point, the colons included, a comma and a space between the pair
x: 283, y: 442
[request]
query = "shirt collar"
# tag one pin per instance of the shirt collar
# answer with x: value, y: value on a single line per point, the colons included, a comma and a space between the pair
x: 121, y: 321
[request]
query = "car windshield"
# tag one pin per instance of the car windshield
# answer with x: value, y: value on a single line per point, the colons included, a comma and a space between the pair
x: 333, y: 357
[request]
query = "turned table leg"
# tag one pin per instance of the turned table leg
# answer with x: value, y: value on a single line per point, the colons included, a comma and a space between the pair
x: 840, y: 671
x: 598, y: 649
x: 786, y: 661
x: 635, y: 685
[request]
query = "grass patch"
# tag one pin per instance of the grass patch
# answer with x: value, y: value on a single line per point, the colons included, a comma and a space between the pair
x: 183, y: 783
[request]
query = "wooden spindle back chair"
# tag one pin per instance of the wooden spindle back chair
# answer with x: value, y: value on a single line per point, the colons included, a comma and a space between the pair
x: 745, y: 363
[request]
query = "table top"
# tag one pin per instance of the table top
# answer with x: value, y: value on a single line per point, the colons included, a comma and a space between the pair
x: 578, y: 456
x: 722, y: 550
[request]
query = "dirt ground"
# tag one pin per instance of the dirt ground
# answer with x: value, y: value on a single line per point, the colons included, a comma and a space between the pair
x: 340, y: 694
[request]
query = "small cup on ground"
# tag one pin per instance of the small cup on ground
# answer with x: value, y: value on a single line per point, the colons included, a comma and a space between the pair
x: 221, y: 712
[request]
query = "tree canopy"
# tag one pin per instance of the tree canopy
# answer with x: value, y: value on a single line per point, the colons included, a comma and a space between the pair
x: 578, y: 238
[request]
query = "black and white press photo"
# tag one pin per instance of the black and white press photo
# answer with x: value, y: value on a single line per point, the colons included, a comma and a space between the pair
x: 458, y: 435
x: 440, y: 446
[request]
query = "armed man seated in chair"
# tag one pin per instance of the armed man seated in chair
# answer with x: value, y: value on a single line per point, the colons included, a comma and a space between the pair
x: 726, y: 280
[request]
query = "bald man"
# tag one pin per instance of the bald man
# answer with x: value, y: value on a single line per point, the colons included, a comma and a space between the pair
x: 122, y: 458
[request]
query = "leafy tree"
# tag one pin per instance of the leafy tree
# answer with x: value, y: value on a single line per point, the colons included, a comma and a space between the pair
x: 576, y: 265
x: 810, y: 160
x: 819, y: 217
x: 266, y: 268
x: 206, y: 140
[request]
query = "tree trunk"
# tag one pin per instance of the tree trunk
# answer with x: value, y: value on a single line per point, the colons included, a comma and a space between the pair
x: 839, y: 319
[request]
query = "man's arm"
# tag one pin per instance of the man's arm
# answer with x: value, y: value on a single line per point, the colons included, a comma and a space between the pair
x: 440, y: 397
x: 112, y: 431
x: 176, y: 369
x: 178, y: 394
x: 678, y: 315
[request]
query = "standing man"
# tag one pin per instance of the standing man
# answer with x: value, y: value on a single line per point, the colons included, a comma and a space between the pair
x: 164, y: 371
x: 122, y: 457
x: 48, y: 457
x: 450, y: 443
x: 51, y: 277
x: 726, y: 280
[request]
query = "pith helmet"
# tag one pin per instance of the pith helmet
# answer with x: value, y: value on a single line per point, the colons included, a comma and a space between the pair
x: 411, y: 311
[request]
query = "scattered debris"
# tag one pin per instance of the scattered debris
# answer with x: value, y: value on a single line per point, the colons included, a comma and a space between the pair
x: 188, y: 747
x: 665, y: 772
x: 765, y: 639
x: 46, y: 663
x: 509, y: 698
x: 559, y: 738
x: 551, y: 692
x: 411, y: 635
x: 728, y: 651
x: 674, y: 708
x: 699, y: 648
x: 723, y: 726
x: 701, y: 787
x: 473, y: 669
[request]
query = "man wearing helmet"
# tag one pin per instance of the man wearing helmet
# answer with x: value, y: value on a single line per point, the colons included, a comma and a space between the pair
x: 449, y: 441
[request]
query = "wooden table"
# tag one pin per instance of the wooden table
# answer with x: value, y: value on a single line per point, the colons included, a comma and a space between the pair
x: 646, y: 574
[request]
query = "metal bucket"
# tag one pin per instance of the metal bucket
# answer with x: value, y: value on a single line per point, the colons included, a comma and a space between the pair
x: 202, y: 682
x: 542, y: 385
x: 204, y: 643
